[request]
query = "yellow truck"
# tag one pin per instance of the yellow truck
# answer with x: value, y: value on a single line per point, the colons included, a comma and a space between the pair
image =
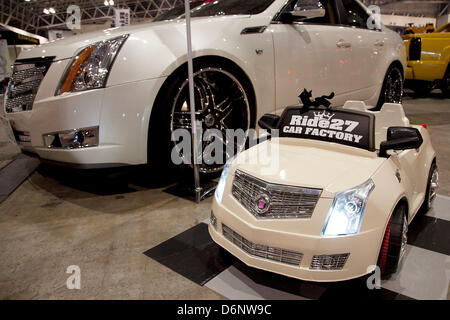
x: 428, y: 60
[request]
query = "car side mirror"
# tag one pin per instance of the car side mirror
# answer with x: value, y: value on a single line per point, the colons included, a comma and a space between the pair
x: 308, y: 13
x: 269, y: 121
x: 308, y: 9
x: 401, y: 138
x: 304, y: 11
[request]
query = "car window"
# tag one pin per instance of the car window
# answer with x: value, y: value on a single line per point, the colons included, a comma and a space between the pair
x: 446, y: 29
x: 356, y: 15
x: 330, y: 13
x: 176, y: 13
x: 231, y: 7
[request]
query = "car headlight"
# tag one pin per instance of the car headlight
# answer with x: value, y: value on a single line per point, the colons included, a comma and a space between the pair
x: 90, y: 67
x: 346, y: 212
x: 223, y: 179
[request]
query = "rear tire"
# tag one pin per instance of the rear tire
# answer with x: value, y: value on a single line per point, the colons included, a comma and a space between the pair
x: 432, y: 185
x: 445, y: 83
x: 394, y: 241
x: 421, y: 88
x: 392, y: 89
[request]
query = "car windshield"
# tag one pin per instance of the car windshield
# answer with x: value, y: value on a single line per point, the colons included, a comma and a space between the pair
x: 177, y: 12
x: 349, y: 127
x: 231, y: 7
x: 444, y: 28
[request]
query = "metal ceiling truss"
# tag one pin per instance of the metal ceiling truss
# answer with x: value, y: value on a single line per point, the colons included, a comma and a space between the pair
x: 29, y: 16
x: 425, y: 8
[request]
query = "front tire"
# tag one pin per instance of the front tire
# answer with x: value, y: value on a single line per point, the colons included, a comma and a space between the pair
x: 223, y: 100
x: 392, y: 89
x: 394, y: 241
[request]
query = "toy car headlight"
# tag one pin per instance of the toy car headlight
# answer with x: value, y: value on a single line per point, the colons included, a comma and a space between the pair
x: 90, y: 67
x: 346, y: 212
x: 223, y: 179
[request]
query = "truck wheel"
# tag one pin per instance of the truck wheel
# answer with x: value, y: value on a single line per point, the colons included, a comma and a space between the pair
x: 421, y: 88
x: 394, y: 241
x: 445, y: 83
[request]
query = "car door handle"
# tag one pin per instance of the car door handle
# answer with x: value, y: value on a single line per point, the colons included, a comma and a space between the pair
x: 343, y: 44
x: 379, y: 43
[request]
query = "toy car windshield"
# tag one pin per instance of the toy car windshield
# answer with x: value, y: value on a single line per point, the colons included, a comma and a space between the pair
x: 348, y: 127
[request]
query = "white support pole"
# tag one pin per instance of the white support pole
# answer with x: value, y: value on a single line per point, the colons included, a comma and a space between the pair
x: 198, y: 189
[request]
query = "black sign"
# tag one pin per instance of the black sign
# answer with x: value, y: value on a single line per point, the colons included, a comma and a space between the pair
x: 342, y: 126
x: 14, y: 38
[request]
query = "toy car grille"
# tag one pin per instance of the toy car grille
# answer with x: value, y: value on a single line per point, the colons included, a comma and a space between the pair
x: 329, y: 262
x: 281, y: 201
x: 262, y: 251
x: 24, y: 84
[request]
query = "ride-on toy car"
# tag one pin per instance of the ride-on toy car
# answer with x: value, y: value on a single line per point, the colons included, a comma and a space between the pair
x: 348, y: 183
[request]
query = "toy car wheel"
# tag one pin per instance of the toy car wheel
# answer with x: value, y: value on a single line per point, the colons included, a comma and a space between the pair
x: 394, y: 241
x: 392, y: 90
x: 223, y: 101
x: 445, y: 83
x: 432, y: 186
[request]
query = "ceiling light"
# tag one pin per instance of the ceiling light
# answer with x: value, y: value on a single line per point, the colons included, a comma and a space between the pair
x: 46, y: 11
x: 52, y: 10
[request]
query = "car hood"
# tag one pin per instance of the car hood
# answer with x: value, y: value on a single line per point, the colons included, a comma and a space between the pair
x: 68, y: 47
x: 307, y: 163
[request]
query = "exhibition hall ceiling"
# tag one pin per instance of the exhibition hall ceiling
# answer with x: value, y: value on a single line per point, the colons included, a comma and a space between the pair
x: 29, y: 15
x: 419, y: 8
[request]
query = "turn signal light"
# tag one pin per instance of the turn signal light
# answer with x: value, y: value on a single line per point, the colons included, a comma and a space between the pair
x: 75, y: 69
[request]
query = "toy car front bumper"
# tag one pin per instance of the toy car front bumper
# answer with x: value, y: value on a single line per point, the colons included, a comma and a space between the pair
x: 362, y: 249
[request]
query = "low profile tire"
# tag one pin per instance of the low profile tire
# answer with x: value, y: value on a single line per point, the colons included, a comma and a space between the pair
x: 432, y: 185
x: 445, y: 83
x: 223, y: 100
x: 394, y: 241
x: 392, y: 89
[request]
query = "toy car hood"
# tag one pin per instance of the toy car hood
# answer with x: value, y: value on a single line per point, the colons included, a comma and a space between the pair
x: 307, y: 163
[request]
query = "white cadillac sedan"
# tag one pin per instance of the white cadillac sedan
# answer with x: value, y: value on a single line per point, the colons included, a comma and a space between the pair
x: 347, y: 183
x: 114, y: 97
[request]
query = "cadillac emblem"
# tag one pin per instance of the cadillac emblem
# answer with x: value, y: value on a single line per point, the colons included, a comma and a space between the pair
x: 262, y: 204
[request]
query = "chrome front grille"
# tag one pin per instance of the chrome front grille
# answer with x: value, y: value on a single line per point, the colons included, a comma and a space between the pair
x: 329, y: 261
x: 274, y: 201
x: 262, y: 251
x: 24, y: 83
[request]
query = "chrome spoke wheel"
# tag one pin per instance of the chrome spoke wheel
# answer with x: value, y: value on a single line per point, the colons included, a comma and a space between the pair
x: 393, y: 91
x: 434, y: 184
x: 221, y: 104
x: 404, y: 237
